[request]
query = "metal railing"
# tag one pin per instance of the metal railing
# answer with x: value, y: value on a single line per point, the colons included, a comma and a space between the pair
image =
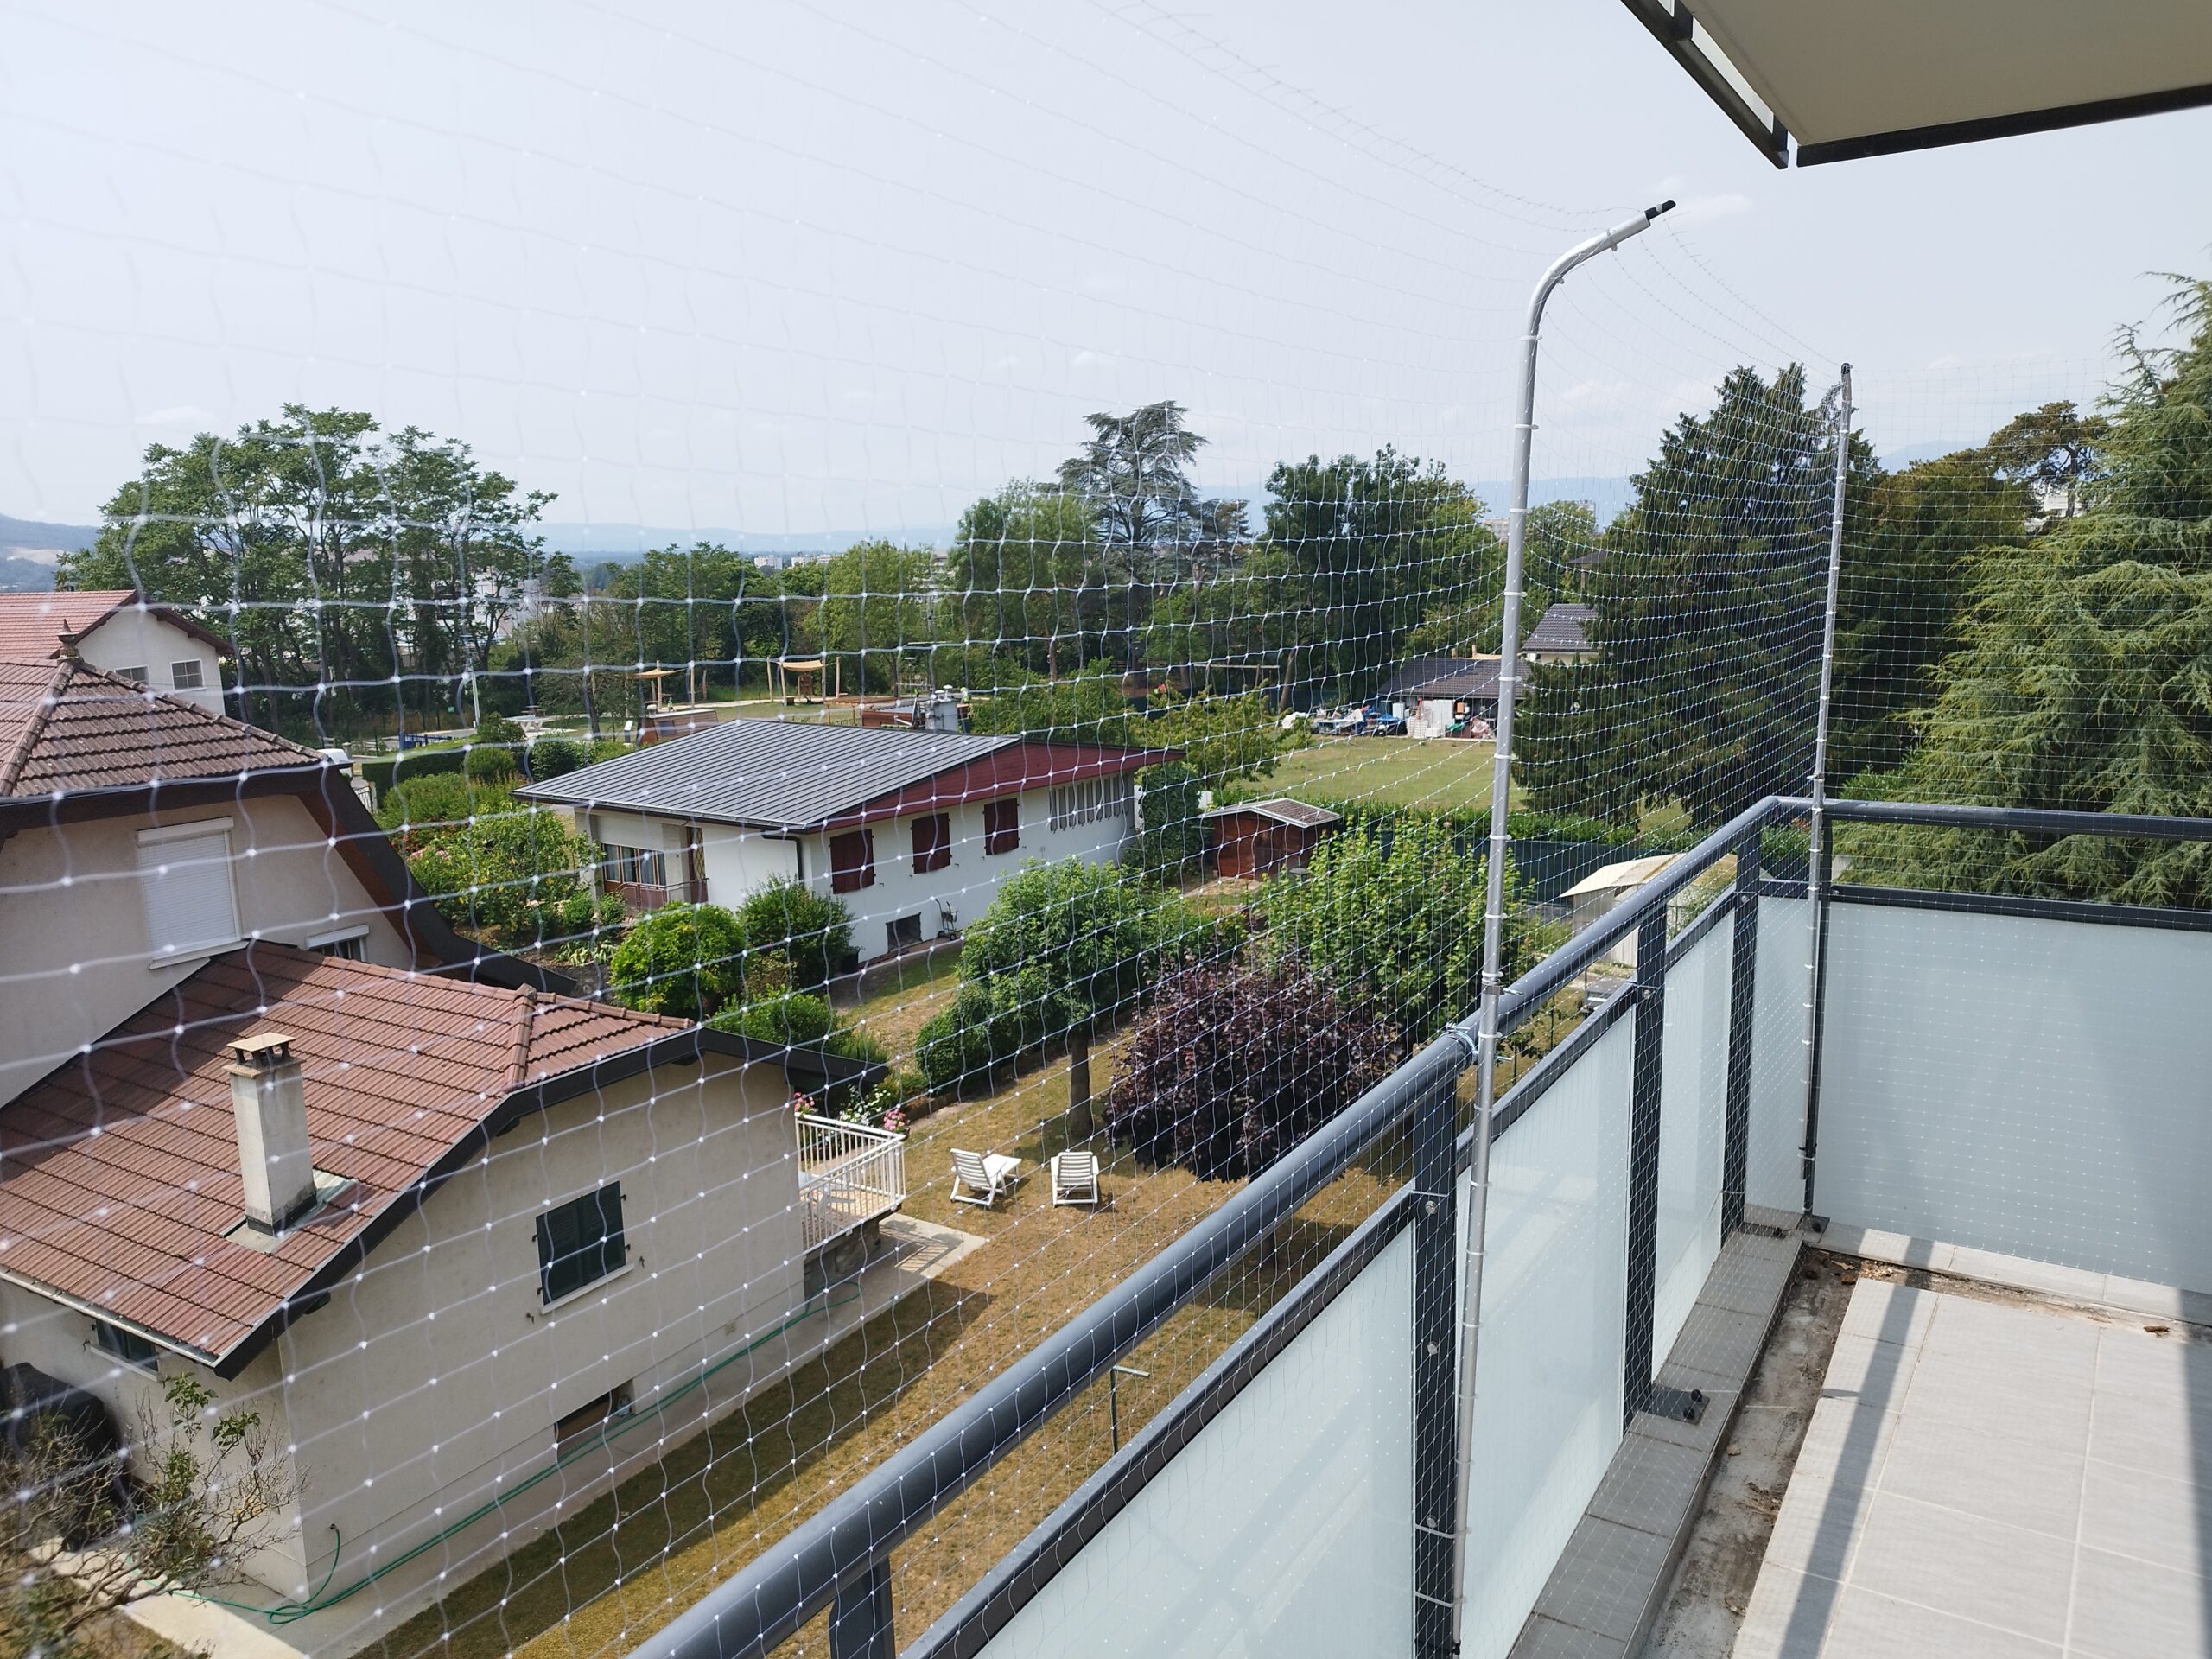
x: 838, y: 1560
x: 850, y: 1174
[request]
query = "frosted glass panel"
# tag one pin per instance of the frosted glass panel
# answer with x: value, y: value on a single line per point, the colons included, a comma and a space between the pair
x: 1547, y: 1415
x: 1285, y: 1528
x: 1773, y: 1171
x: 1693, y: 1117
x: 2032, y: 1087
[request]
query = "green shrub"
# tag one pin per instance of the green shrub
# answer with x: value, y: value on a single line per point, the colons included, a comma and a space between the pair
x: 553, y: 757
x: 514, y: 880
x: 813, y: 932
x: 489, y: 765
x: 684, y: 960
x: 1173, y: 843
x: 498, y: 731
x: 784, y: 1020
x: 1063, y: 947
x: 437, y: 806
x: 384, y: 773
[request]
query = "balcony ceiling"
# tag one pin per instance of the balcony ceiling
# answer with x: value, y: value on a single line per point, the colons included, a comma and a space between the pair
x: 1876, y: 77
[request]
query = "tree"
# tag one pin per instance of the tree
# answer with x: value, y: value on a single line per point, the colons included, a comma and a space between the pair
x: 1374, y: 547
x: 1472, y: 619
x: 1909, y: 556
x: 684, y: 960
x: 1707, y: 620
x: 876, y: 602
x: 515, y: 879
x: 205, y: 1490
x: 347, y: 566
x: 2055, y: 451
x: 1231, y: 1066
x: 1024, y: 570
x: 1391, y: 918
x: 2083, y: 680
x: 811, y: 931
x: 1173, y: 843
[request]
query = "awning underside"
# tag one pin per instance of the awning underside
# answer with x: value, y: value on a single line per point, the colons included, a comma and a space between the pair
x: 1874, y: 77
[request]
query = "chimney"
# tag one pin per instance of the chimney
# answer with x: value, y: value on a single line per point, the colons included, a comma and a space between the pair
x: 271, y: 1107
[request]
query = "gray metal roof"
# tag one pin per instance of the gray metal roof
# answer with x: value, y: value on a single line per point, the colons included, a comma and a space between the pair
x: 1564, y: 627
x: 1443, y: 677
x: 777, y: 774
x: 1283, y: 809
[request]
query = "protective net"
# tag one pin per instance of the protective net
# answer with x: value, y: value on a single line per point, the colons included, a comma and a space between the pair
x: 745, y: 711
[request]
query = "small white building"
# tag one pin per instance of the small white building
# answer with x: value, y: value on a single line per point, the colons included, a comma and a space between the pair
x: 118, y: 632
x: 914, y: 831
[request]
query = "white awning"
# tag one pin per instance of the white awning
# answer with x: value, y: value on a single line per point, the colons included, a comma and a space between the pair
x: 1874, y: 77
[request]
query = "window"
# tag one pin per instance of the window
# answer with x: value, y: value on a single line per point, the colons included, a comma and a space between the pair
x: 932, y: 841
x: 580, y: 1242
x: 852, y: 861
x: 353, y: 948
x: 185, y: 677
x: 615, y: 1402
x: 633, y: 867
x: 137, y: 674
x: 1088, y: 802
x: 126, y: 1346
x: 1002, y: 825
x: 185, y: 873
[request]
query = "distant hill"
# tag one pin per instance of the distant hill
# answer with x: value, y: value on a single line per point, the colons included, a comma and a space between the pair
x: 25, y: 576
x: 29, y: 533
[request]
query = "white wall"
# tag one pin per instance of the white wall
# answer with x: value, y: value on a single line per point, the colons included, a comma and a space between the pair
x: 969, y: 883
x: 73, y: 948
x: 135, y: 639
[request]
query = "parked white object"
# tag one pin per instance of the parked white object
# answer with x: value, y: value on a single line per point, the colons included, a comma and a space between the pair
x: 992, y: 1174
x: 1075, y: 1178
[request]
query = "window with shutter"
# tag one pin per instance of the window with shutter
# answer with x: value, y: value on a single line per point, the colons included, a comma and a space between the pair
x: 852, y: 861
x: 1002, y: 826
x: 185, y: 875
x: 932, y: 841
x: 580, y: 1243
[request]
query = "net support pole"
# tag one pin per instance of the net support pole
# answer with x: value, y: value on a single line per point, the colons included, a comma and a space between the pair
x: 1817, y: 873
x: 1500, y: 787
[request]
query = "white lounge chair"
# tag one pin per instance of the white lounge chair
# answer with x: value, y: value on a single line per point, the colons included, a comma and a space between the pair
x: 987, y: 1175
x: 1075, y: 1178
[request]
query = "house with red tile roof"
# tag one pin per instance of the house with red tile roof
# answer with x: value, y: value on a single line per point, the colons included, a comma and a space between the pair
x: 116, y: 630
x: 266, y: 1121
x: 915, y: 830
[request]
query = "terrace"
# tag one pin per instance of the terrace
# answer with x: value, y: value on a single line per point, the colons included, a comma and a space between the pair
x: 1977, y: 1110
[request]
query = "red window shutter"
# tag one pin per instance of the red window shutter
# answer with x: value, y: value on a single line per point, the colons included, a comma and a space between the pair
x: 1002, y: 825
x: 932, y: 841
x: 852, y: 861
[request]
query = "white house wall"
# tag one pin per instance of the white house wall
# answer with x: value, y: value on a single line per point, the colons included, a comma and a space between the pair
x: 433, y: 1380
x: 74, y: 947
x: 134, y: 639
x: 969, y: 883
x: 736, y: 862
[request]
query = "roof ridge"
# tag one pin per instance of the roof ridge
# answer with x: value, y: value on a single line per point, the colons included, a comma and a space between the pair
x: 525, y: 1028
x: 34, y: 728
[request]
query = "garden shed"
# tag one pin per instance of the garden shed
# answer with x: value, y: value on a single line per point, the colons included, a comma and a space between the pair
x: 1254, y: 839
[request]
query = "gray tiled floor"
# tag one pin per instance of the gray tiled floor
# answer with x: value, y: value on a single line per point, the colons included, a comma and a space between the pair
x: 1991, y: 1479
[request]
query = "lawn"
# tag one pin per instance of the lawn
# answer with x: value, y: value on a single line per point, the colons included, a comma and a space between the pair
x: 1441, y: 773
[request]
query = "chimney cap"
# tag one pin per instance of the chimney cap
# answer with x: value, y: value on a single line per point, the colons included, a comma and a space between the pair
x: 260, y: 1053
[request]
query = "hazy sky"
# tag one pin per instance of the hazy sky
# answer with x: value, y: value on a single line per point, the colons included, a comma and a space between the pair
x: 845, y: 266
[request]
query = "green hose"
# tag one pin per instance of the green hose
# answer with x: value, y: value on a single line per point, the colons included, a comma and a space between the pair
x: 289, y: 1612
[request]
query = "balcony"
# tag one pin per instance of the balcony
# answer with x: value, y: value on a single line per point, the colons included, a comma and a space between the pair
x: 850, y: 1176
x: 1851, y: 1257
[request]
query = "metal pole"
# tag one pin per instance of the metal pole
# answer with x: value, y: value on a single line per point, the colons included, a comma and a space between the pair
x: 1113, y: 1376
x: 1815, y: 865
x: 1501, y: 783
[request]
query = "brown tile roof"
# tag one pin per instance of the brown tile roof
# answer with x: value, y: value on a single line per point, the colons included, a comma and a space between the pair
x: 65, y: 727
x: 39, y: 625
x: 119, y: 1172
x: 36, y: 625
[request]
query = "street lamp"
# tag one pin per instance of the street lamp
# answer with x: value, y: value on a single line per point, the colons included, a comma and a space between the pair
x: 1501, y: 784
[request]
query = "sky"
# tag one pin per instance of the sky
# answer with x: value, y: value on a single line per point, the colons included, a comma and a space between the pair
x: 839, y: 268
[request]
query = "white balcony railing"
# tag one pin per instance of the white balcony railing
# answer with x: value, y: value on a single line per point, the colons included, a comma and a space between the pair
x: 849, y: 1174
